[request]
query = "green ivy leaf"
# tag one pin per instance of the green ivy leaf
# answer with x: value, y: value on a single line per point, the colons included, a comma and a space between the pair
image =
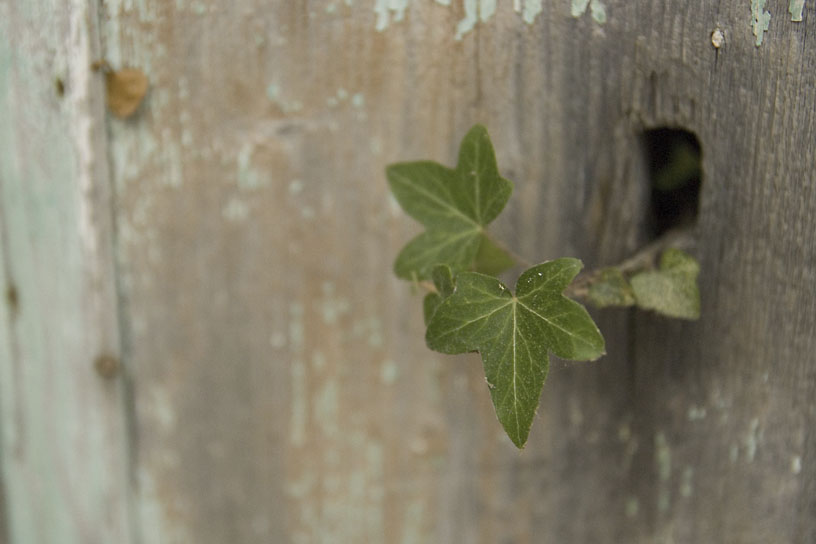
x: 444, y: 282
x: 611, y: 289
x: 454, y: 205
x: 672, y: 290
x: 491, y: 259
x: 429, y: 305
x: 515, y: 334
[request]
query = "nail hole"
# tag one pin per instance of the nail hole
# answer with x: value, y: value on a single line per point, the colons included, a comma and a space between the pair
x: 674, y: 158
x: 13, y: 299
x: 107, y: 366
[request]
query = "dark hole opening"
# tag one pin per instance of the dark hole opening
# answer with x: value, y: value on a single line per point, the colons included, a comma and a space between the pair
x: 675, y: 173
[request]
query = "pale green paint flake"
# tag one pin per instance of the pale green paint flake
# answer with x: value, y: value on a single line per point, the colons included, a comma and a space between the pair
x: 752, y: 440
x: 596, y: 8
x: 389, y: 11
x: 760, y: 20
x: 578, y: 7
x: 235, y: 210
x: 275, y: 95
x: 331, y: 306
x: 475, y: 11
x: 632, y: 507
x: 358, y: 100
x: 733, y: 453
x: 598, y: 11
x: 696, y: 413
x: 389, y: 371
x: 662, y: 457
x: 687, y: 483
x: 326, y: 406
x: 248, y: 177
x: 796, y: 7
x: 295, y: 187
x: 530, y: 10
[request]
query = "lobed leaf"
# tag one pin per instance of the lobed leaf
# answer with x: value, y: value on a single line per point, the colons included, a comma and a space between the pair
x: 611, y: 289
x: 454, y: 205
x: 444, y: 282
x: 515, y: 334
x: 491, y: 259
x: 672, y: 289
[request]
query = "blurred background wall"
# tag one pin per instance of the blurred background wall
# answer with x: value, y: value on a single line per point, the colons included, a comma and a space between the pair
x: 201, y: 338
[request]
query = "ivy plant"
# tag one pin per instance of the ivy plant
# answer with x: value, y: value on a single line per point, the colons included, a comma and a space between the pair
x: 468, y: 308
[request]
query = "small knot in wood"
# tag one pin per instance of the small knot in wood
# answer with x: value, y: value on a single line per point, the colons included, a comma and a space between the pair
x: 107, y: 366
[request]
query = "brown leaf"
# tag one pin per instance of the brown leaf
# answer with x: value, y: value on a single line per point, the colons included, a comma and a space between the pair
x: 126, y: 89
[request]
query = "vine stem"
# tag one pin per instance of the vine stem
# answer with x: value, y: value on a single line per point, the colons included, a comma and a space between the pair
x: 515, y: 256
x: 644, y: 259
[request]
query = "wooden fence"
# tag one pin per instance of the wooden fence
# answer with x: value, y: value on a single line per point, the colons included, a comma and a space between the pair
x: 202, y: 340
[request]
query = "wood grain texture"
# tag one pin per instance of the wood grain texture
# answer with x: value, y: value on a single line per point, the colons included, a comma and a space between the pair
x: 280, y: 387
x: 64, y: 442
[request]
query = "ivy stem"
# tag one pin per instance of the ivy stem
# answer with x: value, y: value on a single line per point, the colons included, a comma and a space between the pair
x: 513, y: 255
x: 644, y: 259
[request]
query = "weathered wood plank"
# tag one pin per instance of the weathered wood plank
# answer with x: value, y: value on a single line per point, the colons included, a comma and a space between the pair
x: 281, y: 388
x: 64, y: 447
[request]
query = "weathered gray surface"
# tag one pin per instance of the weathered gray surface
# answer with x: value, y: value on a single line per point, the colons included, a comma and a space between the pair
x: 277, y: 384
x: 64, y: 447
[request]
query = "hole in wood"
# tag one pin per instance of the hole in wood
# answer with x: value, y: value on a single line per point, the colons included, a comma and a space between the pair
x: 674, y: 158
x: 107, y: 366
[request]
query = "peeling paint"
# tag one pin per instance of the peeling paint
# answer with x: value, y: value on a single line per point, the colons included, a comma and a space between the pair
x: 733, y: 453
x: 475, y: 11
x: 326, y: 407
x: 389, y: 371
x: 578, y: 7
x: 598, y: 10
x: 295, y: 186
x: 531, y: 10
x: 369, y: 328
x: 752, y: 440
x: 358, y: 100
x: 760, y: 20
x: 332, y: 307
x: 248, y: 177
x: 796, y: 7
x: 696, y: 413
x: 389, y: 11
x: 235, y: 210
x: 596, y: 7
x: 275, y: 95
x: 796, y: 465
x: 686, y: 484
x: 632, y: 507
